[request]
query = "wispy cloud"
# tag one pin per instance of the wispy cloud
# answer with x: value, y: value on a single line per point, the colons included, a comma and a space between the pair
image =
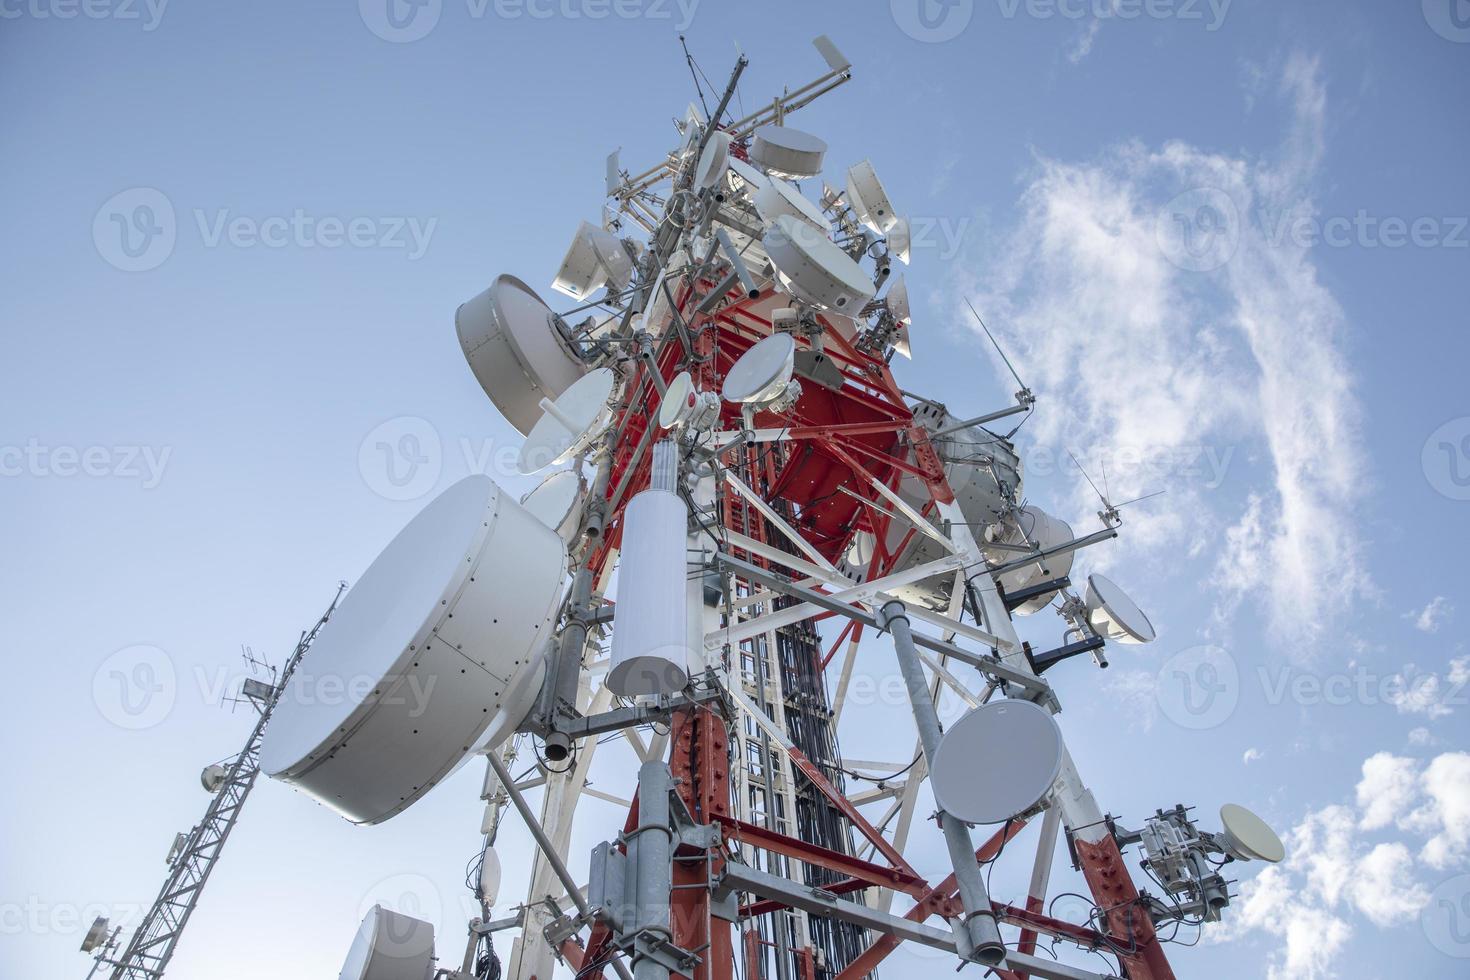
x: 1140, y: 340
x: 1432, y: 616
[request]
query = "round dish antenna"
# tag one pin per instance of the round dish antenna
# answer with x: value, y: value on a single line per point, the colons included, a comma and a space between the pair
x: 780, y: 197
x: 213, y: 777
x: 997, y: 762
x: 96, y: 933
x: 511, y: 342
x: 577, y: 417
x: 390, y: 946
x: 684, y: 404
x: 761, y: 372
x: 557, y: 502
x: 446, y: 628
x: 868, y: 199
x: 812, y: 268
x: 594, y: 259
x: 1044, y: 532
x: 899, y: 240
x: 1248, y: 837
x: 787, y: 152
x: 490, y: 875
x: 1114, y: 615
x: 712, y: 161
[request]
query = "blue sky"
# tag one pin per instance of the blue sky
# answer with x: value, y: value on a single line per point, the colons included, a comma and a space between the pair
x: 1226, y: 244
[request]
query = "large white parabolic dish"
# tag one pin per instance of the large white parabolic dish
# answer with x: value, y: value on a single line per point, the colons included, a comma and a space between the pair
x: 811, y: 267
x: 515, y: 351
x: 557, y: 502
x: 435, y: 653
x: 778, y: 197
x: 997, y: 762
x: 390, y: 946
x: 1115, y: 616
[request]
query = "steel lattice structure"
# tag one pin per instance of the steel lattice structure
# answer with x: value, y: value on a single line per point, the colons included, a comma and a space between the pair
x: 153, y: 943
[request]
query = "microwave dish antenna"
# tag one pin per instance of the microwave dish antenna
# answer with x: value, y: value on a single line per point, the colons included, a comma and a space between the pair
x: 1113, y: 614
x: 812, y: 268
x: 572, y: 421
x: 997, y: 762
x: 788, y: 152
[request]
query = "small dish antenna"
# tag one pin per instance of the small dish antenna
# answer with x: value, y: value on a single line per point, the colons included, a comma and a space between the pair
x: 763, y: 372
x: 1115, y: 616
x: 557, y: 502
x: 780, y: 197
x: 787, y: 152
x: 997, y: 762
x: 490, y: 876
x: 811, y: 267
x: 899, y: 240
x: 1248, y: 837
x: 390, y: 946
x: 685, y: 405
x: 213, y: 777
x: 594, y: 259
x: 572, y: 421
x: 712, y: 161
x: 510, y: 339
x: 446, y: 630
x: 96, y: 933
x: 868, y: 199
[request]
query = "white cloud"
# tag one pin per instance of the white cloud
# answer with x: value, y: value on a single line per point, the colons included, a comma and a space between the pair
x: 1432, y: 616
x: 1415, y: 693
x: 1446, y: 812
x: 1387, y: 789
x: 1083, y: 47
x: 1252, y: 755
x: 1137, y: 355
x: 1421, y: 736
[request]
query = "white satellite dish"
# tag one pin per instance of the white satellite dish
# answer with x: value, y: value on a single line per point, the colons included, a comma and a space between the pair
x: 997, y: 762
x: 390, y: 946
x: 685, y: 404
x: 515, y: 351
x: 96, y: 933
x: 557, y: 502
x: 213, y: 777
x: 868, y: 199
x: 899, y: 240
x: 1045, y: 532
x: 1114, y: 615
x: 787, y: 152
x: 780, y: 197
x: 594, y: 259
x: 1248, y: 837
x: 761, y: 372
x: 812, y: 268
x: 439, y: 651
x: 572, y: 421
x: 897, y: 301
x: 490, y: 875
x: 712, y: 161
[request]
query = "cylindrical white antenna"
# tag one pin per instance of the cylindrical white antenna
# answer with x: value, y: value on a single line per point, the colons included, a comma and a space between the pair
x: 650, y: 643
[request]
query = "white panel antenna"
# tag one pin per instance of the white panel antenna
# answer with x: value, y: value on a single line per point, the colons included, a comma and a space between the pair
x: 868, y: 199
